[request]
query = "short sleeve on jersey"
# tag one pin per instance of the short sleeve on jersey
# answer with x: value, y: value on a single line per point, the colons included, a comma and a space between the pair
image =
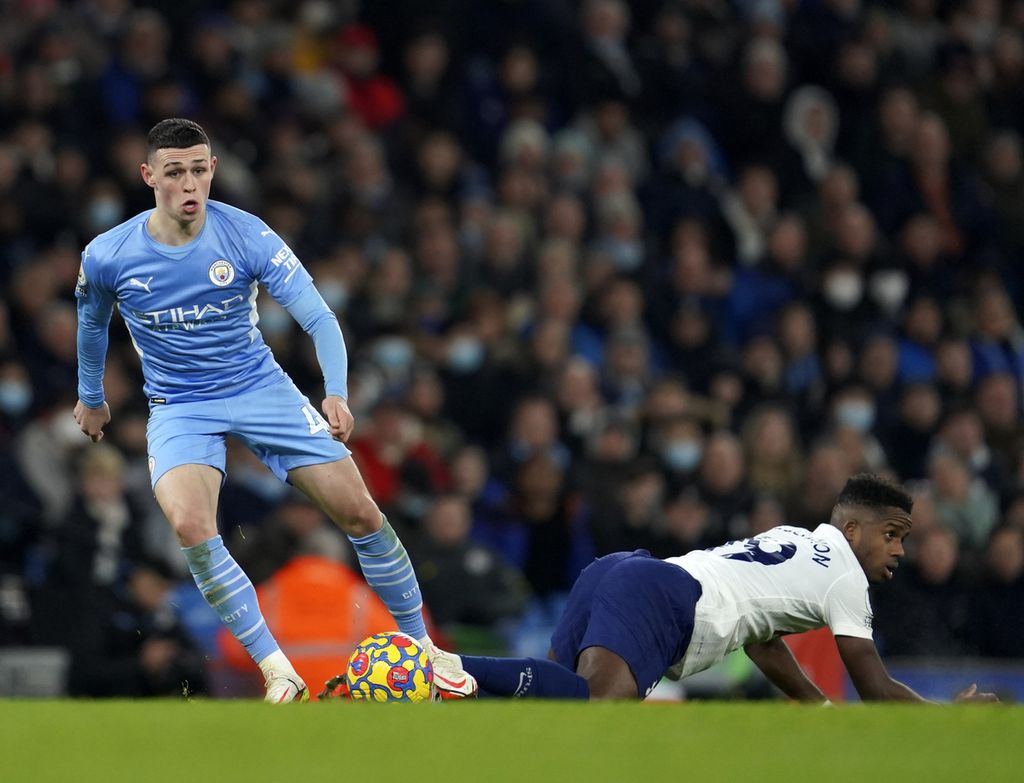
x: 848, y: 609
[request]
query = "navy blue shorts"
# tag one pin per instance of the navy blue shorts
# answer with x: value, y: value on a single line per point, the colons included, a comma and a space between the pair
x: 635, y: 605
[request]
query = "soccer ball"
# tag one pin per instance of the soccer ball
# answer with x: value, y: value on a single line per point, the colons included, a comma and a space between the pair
x: 389, y: 667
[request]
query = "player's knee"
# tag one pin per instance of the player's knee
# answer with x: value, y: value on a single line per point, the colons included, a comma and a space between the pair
x: 608, y: 676
x: 603, y: 689
x: 359, y: 517
x: 193, y: 528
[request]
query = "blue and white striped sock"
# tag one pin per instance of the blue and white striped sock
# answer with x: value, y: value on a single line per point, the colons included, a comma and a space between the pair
x: 388, y: 570
x: 231, y: 595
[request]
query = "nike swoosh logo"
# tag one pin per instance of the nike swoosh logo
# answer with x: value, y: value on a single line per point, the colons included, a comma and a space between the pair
x: 460, y: 684
x: 264, y: 233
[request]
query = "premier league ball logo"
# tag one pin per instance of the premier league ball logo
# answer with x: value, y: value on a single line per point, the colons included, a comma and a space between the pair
x: 221, y: 272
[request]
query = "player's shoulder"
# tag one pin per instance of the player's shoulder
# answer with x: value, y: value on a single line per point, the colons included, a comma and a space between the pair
x: 106, y: 246
x: 239, y: 219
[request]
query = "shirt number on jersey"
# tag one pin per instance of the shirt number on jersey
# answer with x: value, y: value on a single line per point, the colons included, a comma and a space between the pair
x: 772, y: 554
x: 316, y: 421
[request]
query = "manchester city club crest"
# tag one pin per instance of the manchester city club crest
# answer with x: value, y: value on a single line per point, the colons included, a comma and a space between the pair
x: 221, y: 272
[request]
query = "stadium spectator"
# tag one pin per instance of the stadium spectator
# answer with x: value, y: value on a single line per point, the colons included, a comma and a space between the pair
x: 772, y: 450
x: 963, y: 504
x: 464, y: 583
x: 997, y: 623
x: 906, y: 441
x: 723, y: 485
x: 925, y: 611
x: 132, y: 645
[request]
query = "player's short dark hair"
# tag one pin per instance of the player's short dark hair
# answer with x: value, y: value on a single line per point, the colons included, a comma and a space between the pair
x: 175, y: 133
x: 867, y: 489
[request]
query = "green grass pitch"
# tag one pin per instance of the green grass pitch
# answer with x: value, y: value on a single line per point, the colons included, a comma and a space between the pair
x: 527, y: 741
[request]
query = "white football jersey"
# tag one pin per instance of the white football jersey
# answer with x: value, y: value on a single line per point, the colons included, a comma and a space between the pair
x: 786, y: 580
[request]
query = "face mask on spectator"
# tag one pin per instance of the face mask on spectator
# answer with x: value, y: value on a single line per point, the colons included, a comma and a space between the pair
x: 625, y: 255
x: 465, y: 354
x: 844, y: 290
x: 856, y: 414
x: 104, y: 213
x: 392, y: 353
x: 15, y: 397
x: 889, y: 289
x: 682, y: 455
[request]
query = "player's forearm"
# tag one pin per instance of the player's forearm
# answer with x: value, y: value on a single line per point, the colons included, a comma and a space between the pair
x: 888, y: 690
x: 92, y: 354
x: 320, y: 323
x: 777, y: 663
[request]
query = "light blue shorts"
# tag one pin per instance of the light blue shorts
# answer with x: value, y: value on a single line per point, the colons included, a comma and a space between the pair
x: 279, y: 424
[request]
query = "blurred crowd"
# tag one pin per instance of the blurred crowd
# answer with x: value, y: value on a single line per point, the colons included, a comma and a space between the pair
x: 611, y: 275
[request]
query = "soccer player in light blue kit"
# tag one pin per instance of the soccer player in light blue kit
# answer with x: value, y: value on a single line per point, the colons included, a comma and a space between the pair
x: 184, y: 277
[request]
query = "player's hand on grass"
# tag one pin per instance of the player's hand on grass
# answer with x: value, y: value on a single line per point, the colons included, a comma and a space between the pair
x: 971, y: 695
x: 92, y: 420
x: 339, y: 417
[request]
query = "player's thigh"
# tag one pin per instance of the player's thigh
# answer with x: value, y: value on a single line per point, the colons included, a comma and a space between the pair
x: 643, y: 611
x: 566, y: 641
x: 190, y: 433
x: 607, y: 674
x: 284, y: 429
x: 188, y: 494
x: 338, y: 488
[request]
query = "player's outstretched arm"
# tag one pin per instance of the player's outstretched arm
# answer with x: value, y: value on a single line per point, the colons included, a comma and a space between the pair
x: 92, y: 420
x: 317, y: 320
x: 868, y: 673
x: 777, y: 663
x: 874, y: 683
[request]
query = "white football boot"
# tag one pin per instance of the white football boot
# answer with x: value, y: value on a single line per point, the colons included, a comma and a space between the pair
x: 283, y: 684
x: 284, y: 688
x: 451, y: 681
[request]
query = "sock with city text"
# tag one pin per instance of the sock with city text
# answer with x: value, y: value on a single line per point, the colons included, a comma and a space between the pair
x: 231, y: 595
x: 526, y: 677
x: 388, y: 570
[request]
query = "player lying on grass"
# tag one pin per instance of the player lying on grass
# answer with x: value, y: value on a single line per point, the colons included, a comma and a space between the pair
x: 631, y: 618
x: 184, y: 277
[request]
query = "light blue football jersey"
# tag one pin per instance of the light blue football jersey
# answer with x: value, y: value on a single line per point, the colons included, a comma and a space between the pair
x: 191, y: 310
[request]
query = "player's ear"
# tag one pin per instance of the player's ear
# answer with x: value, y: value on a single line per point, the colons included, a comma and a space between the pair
x: 147, y: 175
x: 213, y: 164
x: 851, y: 529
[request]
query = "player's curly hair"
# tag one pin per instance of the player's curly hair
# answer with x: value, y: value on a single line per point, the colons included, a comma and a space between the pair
x: 175, y: 133
x: 867, y: 489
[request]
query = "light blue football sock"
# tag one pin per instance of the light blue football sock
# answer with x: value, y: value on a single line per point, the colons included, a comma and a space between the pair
x: 231, y: 595
x: 388, y: 570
